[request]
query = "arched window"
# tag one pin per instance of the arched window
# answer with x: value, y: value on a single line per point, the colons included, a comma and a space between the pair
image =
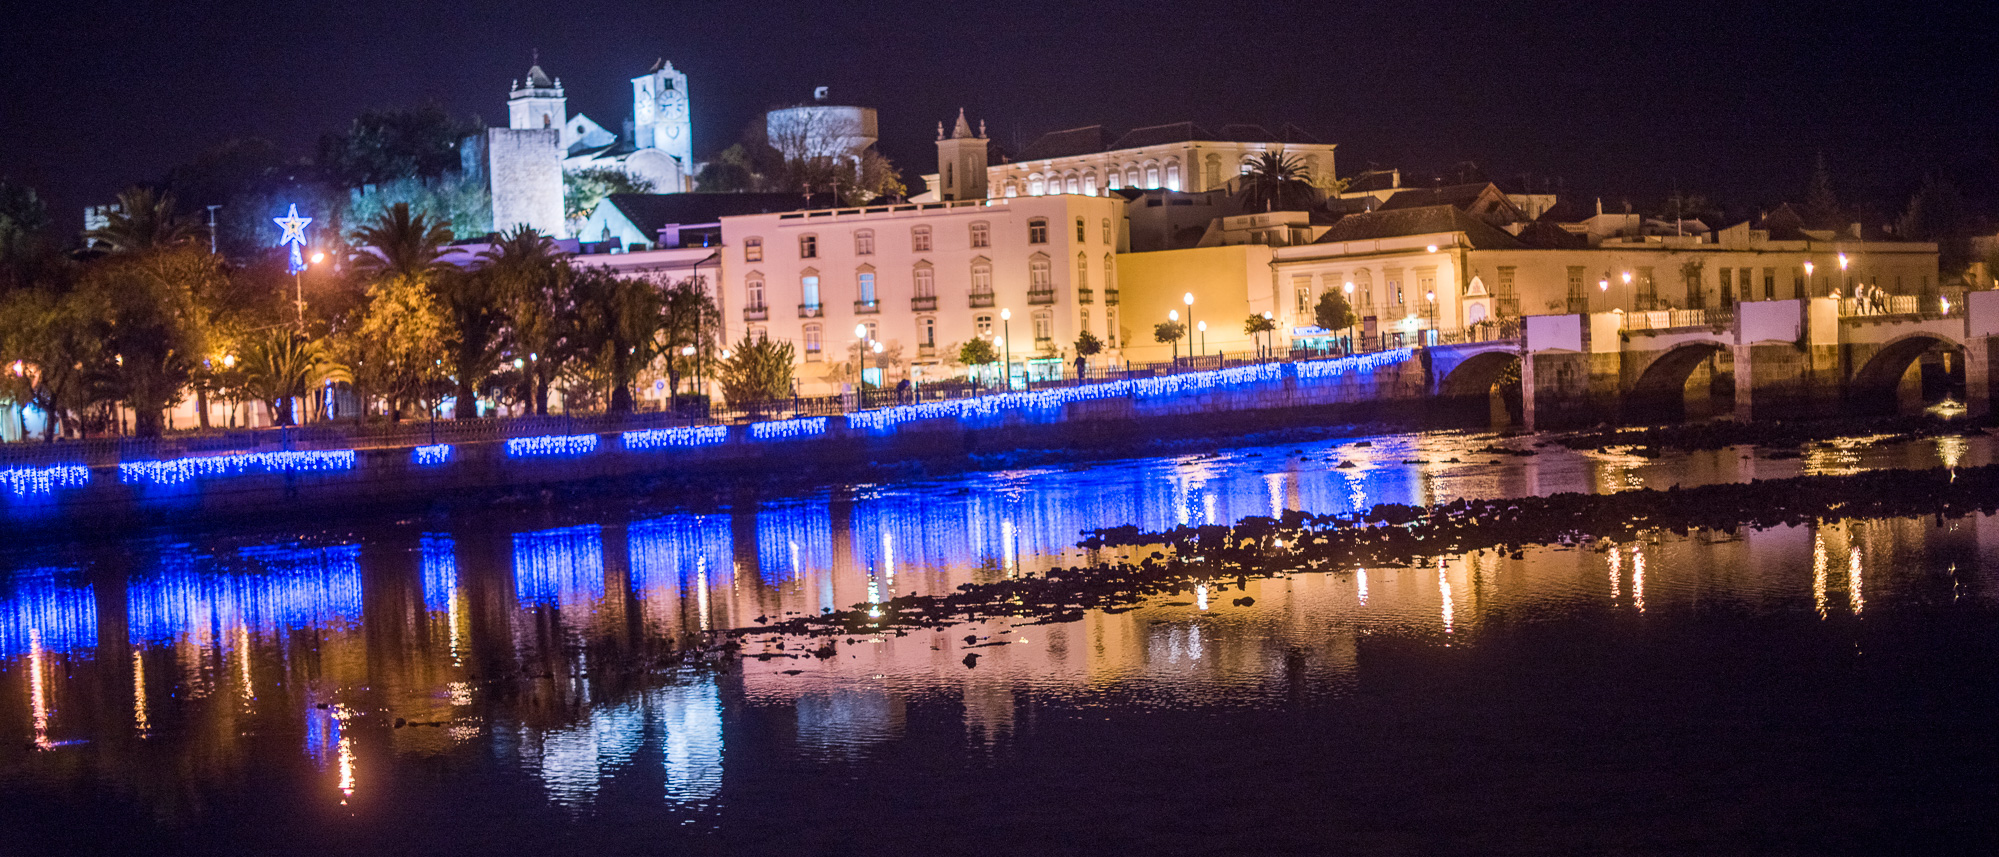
x: 864, y: 286
x: 925, y: 279
x: 1082, y: 271
x: 1110, y: 327
x: 1079, y: 231
x: 1012, y: 189
x: 1072, y: 184
x: 1089, y: 184
x: 812, y: 338
x: 1172, y: 175
x: 982, y: 235
x: 808, y: 246
x: 1107, y: 230
x: 753, y: 249
x: 1111, y: 180
x: 753, y: 292
x: 1152, y: 178
x: 919, y: 239
x: 1035, y: 185
x: 1363, y: 289
x: 1037, y: 231
x: 864, y: 242
x: 1131, y: 177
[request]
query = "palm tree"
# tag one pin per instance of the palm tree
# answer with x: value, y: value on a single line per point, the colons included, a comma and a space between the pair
x: 143, y: 220
x: 534, y: 286
x: 401, y: 244
x: 1276, y: 181
x: 618, y: 322
x: 283, y: 366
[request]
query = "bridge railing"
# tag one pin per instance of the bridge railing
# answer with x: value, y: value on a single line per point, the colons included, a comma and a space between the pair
x: 1668, y: 319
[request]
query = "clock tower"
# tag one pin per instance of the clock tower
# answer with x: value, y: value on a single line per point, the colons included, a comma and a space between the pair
x: 660, y: 114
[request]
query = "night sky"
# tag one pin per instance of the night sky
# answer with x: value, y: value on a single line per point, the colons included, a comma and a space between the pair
x: 1731, y: 100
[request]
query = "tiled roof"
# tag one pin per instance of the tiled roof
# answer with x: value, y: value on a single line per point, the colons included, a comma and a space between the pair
x: 1062, y: 144
x: 652, y: 211
x: 1094, y: 138
x: 1430, y: 220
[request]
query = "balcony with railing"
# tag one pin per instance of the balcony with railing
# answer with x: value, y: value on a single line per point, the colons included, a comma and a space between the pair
x: 981, y: 299
x: 811, y: 311
x: 1086, y: 296
x: 756, y: 313
x: 1110, y: 297
x: 923, y: 303
x: 1040, y: 296
x: 926, y: 351
x: 867, y: 307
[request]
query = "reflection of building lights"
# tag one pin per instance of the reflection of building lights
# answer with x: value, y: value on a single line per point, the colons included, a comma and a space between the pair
x: 1821, y: 565
x: 346, y: 766
x: 1201, y: 597
x: 1637, y: 578
x: 1853, y: 581
x: 38, y: 692
x: 1444, y: 589
x: 140, y: 719
x: 1616, y: 574
x: 1360, y: 582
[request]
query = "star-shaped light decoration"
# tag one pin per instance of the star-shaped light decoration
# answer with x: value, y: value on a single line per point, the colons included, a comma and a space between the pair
x: 294, y: 227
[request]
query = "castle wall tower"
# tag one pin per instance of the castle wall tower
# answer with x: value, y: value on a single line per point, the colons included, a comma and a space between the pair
x: 662, y: 119
x: 961, y: 162
x: 539, y: 104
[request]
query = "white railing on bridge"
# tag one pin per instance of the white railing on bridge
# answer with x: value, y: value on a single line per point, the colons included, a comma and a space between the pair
x: 1666, y: 319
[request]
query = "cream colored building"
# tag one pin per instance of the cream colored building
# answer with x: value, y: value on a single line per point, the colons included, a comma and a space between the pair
x: 1219, y: 279
x: 1181, y: 156
x: 922, y: 279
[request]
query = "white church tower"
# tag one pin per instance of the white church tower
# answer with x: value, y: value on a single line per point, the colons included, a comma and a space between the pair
x: 539, y: 104
x: 662, y: 123
x: 524, y: 159
x: 961, y: 161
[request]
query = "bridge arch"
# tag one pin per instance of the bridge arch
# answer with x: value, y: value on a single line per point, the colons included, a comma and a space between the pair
x: 1686, y: 380
x: 1908, y: 373
x: 1483, y: 389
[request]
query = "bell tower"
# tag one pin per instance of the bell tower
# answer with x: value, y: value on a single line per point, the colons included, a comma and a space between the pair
x: 539, y: 104
x: 961, y: 161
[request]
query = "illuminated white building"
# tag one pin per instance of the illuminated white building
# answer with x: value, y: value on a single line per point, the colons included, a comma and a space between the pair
x: 1180, y: 156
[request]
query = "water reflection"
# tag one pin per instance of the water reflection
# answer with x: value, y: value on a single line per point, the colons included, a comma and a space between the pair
x: 539, y: 646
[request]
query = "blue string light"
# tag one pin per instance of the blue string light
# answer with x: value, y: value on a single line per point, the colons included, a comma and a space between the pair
x: 24, y: 481
x: 785, y: 429
x: 438, y: 453
x: 179, y: 470
x: 664, y: 438
x: 553, y: 444
x: 62, y: 616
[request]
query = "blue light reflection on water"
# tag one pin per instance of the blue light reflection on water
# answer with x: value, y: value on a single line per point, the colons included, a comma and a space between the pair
x: 46, y: 608
x: 263, y: 588
x: 562, y: 566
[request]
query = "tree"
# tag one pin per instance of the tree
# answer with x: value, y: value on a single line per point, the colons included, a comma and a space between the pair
x: 583, y: 190
x: 280, y: 366
x: 1333, y: 312
x: 1088, y: 345
x: 1258, y: 324
x: 1937, y: 212
x: 756, y: 370
x: 978, y: 352
x: 539, y: 290
x: 155, y: 325
x: 474, y: 304
x: 385, y: 145
x: 618, y: 326
x: 691, y: 318
x: 23, y: 216
x: 402, y: 342
x: 56, y: 337
x: 1275, y: 181
x: 729, y: 172
x: 143, y: 220
x: 400, y: 244
x: 1169, y: 333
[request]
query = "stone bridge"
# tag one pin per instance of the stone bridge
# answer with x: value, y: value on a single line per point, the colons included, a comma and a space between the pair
x: 1768, y: 360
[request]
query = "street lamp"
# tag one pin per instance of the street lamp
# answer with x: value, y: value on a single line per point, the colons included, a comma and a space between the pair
x: 861, y: 333
x: 1808, y: 279
x: 1431, y: 296
x: 1203, y: 327
x: 1188, y: 299
x: 1348, y: 289
x: 1627, y: 289
x: 1269, y: 335
x: 1006, y: 328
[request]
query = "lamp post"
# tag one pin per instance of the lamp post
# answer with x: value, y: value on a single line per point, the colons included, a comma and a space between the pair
x: 1628, y: 296
x: 1431, y: 297
x: 1270, y: 335
x: 1845, y: 282
x: 688, y: 351
x: 1188, y: 299
x: 1808, y: 279
x: 1202, y: 326
x: 1173, y: 315
x: 861, y: 333
x: 1006, y: 331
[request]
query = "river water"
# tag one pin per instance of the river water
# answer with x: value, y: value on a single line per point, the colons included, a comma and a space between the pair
x: 492, y: 682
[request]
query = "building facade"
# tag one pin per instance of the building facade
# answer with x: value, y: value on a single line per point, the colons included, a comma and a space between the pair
x: 1181, y: 157
x: 922, y: 279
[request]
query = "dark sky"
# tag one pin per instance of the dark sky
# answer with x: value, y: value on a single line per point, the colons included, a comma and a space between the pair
x: 1614, y: 98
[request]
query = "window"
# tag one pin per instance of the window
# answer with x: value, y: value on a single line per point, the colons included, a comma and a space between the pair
x: 982, y: 277
x: 926, y: 330
x: 1035, y: 185
x: 1111, y: 180
x: 982, y: 235
x: 753, y: 293
x: 926, y: 281
x: 1037, y: 231
x: 1426, y: 285
x: 1131, y: 176
x: 809, y: 290
x: 1727, y: 287
x: 983, y: 324
x: 1506, y: 292
x: 1363, y: 284
x: 1304, y: 300
x: 1107, y: 230
x: 1071, y: 185
x: 1044, y: 326
x: 1173, y: 175
x: 753, y: 249
x: 1578, y: 296
x: 1083, y: 321
x: 808, y: 246
x: 1110, y: 327
x: 919, y: 239
x: 1243, y: 169
x: 1648, y: 290
x: 1038, y: 277
x: 1742, y: 279
x: 1395, y: 295
x: 1214, y: 172
x: 864, y: 242
x: 1089, y: 184
x: 1012, y: 189
x: 867, y: 286
x: 1082, y: 271
x: 1696, y: 291
x: 1769, y: 284
x: 1152, y: 177
x: 1080, y: 228
x: 759, y: 333
x: 812, y: 342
